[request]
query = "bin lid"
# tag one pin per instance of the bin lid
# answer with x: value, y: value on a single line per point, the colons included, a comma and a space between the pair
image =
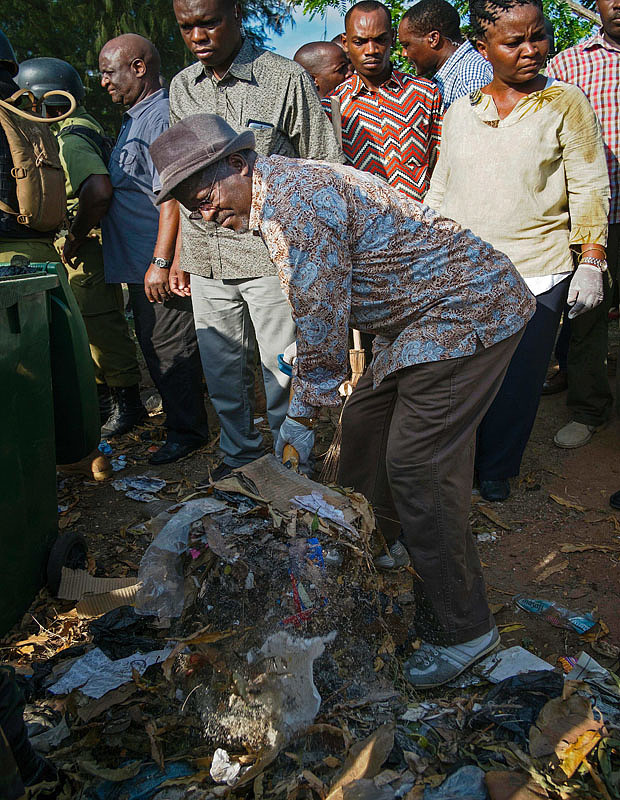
x: 13, y: 288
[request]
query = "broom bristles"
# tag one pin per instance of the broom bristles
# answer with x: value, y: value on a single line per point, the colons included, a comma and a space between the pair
x: 329, y: 471
x: 331, y: 462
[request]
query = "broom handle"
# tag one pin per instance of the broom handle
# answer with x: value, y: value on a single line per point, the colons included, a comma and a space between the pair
x: 357, y: 340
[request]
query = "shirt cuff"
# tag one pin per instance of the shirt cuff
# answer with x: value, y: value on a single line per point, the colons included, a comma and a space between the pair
x: 297, y: 408
x: 588, y: 234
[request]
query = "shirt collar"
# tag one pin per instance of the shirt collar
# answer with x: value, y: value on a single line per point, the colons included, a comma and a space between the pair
x: 139, y: 108
x: 461, y: 51
x: 240, y: 68
x: 394, y: 81
x: 262, y: 168
x: 79, y: 113
x: 598, y: 41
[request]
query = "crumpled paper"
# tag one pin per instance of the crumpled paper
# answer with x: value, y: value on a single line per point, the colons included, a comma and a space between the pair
x: 317, y: 504
x: 95, y: 674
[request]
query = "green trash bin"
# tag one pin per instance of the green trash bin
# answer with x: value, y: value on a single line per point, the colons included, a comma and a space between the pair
x: 76, y: 406
x: 28, y: 505
x: 50, y: 416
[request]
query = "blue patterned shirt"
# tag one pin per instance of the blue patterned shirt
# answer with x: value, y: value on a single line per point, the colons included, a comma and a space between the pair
x: 463, y: 72
x: 352, y: 250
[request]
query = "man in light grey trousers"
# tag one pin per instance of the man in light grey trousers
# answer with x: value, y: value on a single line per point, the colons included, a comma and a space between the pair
x: 237, y: 298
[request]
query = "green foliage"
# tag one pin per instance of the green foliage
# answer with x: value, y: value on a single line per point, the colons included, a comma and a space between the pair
x: 75, y: 30
x: 569, y: 29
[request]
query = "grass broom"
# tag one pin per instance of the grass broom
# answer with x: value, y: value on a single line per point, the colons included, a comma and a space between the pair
x: 357, y: 360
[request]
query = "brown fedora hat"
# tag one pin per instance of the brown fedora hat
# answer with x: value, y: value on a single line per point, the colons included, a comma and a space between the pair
x: 191, y: 145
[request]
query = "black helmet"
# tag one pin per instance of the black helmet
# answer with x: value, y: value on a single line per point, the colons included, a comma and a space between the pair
x: 41, y: 75
x: 8, y: 59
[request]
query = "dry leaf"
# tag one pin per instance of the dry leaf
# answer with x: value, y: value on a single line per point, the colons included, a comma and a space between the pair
x: 388, y: 647
x: 583, y: 548
x: 547, y: 573
x: 365, y: 758
x: 511, y: 626
x: 489, y: 514
x: 562, y: 501
x: 599, y: 631
x: 316, y: 784
x: 606, y: 649
x: 157, y: 753
x: 567, y: 731
x: 504, y: 785
x: 115, y: 775
x: 65, y: 520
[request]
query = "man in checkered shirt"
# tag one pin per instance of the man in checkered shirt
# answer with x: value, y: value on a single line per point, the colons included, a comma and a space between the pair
x: 431, y: 39
x: 594, y: 66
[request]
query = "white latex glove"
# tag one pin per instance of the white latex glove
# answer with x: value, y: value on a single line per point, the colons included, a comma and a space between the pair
x: 585, y: 291
x: 290, y: 353
x: 299, y: 437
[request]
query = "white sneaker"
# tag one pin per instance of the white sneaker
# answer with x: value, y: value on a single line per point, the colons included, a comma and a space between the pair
x: 433, y: 665
x: 397, y: 559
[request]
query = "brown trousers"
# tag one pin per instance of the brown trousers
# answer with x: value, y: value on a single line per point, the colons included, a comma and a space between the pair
x: 408, y: 446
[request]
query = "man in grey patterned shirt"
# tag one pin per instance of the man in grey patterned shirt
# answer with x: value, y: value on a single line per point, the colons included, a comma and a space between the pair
x: 237, y: 298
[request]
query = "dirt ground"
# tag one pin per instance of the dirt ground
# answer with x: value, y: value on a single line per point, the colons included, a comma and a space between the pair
x: 556, y: 537
x: 525, y: 557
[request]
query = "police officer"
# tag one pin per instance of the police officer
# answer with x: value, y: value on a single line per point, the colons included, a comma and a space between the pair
x: 82, y: 145
x: 16, y: 239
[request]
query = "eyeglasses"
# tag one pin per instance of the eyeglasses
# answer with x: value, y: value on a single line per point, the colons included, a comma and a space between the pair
x: 206, y: 204
x: 196, y: 213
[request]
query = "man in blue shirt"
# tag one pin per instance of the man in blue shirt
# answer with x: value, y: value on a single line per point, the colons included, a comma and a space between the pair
x: 431, y: 38
x: 130, y: 67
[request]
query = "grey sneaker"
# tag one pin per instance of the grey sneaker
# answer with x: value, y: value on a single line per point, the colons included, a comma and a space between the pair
x: 398, y: 558
x: 433, y: 665
x: 575, y: 434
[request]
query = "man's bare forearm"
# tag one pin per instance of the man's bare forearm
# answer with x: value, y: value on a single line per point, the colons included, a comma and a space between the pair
x: 94, y: 199
x: 168, y: 230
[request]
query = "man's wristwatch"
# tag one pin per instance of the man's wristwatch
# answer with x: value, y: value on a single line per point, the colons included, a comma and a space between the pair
x: 599, y: 263
x: 162, y: 263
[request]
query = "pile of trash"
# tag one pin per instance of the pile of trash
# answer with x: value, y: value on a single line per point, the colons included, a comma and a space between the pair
x: 257, y: 652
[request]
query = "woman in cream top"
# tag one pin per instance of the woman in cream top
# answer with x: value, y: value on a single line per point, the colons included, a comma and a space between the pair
x: 522, y: 165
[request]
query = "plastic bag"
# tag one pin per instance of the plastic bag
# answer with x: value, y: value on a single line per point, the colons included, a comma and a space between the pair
x: 161, y: 568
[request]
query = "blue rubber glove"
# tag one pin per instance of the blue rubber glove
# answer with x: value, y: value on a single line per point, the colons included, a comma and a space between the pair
x: 300, y: 437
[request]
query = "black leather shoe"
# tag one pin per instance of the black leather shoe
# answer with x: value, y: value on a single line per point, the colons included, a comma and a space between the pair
x: 614, y: 500
x: 222, y: 470
x: 128, y: 411
x: 173, y: 451
x: 556, y: 383
x: 495, y: 491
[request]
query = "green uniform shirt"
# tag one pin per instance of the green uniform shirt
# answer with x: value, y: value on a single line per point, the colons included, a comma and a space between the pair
x: 80, y: 158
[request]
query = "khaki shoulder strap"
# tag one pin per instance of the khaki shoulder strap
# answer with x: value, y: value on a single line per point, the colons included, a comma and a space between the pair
x: 336, y: 118
x: 8, y: 104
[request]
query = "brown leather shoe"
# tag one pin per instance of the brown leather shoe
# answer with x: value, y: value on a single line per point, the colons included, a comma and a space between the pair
x: 95, y: 466
x: 558, y: 382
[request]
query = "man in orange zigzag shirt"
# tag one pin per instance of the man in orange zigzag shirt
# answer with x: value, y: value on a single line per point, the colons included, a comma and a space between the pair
x: 391, y: 121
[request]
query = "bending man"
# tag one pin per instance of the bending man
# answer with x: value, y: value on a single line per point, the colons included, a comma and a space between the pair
x: 447, y: 311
